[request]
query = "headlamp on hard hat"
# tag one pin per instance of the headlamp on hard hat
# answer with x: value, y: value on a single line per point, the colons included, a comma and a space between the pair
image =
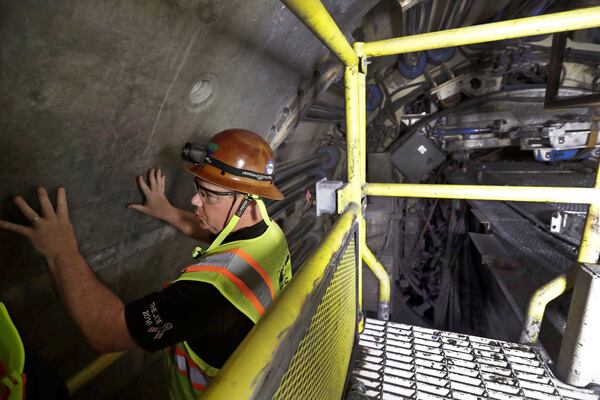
x: 194, y: 153
x: 197, y: 155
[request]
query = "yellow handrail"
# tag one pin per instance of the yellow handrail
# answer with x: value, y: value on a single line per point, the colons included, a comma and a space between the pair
x: 589, y: 248
x: 558, y: 22
x: 317, y: 19
x: 91, y: 371
x: 383, y: 306
x: 539, y: 301
x: 542, y: 194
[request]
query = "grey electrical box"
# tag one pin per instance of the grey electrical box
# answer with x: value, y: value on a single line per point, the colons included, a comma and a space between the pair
x: 417, y: 157
x: 327, y: 196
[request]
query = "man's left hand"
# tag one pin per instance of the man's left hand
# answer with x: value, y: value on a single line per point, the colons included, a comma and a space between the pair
x: 50, y: 233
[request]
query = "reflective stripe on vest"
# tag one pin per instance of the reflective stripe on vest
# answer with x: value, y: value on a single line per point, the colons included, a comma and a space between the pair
x: 188, y: 369
x: 244, y: 272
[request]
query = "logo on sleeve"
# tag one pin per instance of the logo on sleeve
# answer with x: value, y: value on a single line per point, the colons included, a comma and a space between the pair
x: 154, y: 322
x: 160, y: 330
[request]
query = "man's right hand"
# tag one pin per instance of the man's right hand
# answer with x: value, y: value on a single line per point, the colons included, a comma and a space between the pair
x: 156, y: 204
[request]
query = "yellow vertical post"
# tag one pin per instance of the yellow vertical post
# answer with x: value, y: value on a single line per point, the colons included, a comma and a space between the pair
x: 353, y: 189
x: 383, y: 303
x: 362, y: 112
x: 589, y: 249
x: 360, y: 157
x: 353, y: 133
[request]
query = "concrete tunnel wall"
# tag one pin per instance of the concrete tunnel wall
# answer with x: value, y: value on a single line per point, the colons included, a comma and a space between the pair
x: 95, y: 93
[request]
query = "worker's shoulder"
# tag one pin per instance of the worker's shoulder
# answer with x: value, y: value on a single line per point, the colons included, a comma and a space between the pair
x: 218, y: 259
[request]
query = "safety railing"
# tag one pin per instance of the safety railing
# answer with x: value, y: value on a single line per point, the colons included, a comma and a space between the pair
x: 317, y: 19
x: 87, y: 374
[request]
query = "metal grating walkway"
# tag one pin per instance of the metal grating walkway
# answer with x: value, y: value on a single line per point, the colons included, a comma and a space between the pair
x: 397, y: 361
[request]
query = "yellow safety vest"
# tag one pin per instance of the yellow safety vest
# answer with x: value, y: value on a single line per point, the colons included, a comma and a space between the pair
x: 249, y: 273
x: 12, y: 359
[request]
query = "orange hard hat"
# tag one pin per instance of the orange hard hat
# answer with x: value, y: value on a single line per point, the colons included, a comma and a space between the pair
x: 239, y: 160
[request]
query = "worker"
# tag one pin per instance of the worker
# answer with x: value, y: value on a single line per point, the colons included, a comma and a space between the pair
x: 23, y: 374
x: 12, y: 359
x: 202, y: 316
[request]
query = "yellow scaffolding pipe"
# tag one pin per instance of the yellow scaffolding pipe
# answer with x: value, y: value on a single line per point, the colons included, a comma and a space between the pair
x: 353, y: 135
x: 383, y: 306
x: 359, y: 160
x: 91, y: 371
x: 256, y: 352
x: 539, y: 301
x: 351, y: 193
x: 589, y: 249
x: 486, y: 192
x: 317, y: 19
x: 558, y: 22
x: 362, y: 113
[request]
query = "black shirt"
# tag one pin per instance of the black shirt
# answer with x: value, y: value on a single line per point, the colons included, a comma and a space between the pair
x: 192, y: 311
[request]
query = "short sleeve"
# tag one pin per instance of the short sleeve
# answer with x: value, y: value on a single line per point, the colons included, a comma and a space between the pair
x: 190, y: 311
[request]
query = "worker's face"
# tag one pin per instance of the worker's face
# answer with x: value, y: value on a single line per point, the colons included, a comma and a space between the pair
x: 213, y: 210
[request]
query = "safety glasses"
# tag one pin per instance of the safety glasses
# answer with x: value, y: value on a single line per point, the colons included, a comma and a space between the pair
x: 210, y: 196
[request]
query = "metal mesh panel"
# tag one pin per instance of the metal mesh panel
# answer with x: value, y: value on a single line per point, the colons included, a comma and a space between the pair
x: 318, y: 369
x: 398, y: 361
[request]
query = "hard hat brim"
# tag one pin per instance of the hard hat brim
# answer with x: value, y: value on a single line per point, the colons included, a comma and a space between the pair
x: 215, y: 176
